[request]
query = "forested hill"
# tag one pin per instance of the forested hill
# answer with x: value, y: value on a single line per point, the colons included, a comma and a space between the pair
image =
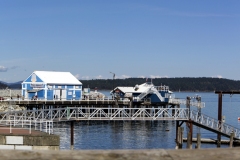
x: 3, y: 86
x: 175, y: 84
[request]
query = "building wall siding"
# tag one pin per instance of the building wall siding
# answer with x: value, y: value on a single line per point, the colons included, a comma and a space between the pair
x: 49, y: 94
x: 33, y: 85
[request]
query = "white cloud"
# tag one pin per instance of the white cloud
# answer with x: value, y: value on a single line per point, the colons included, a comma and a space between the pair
x: 165, y: 77
x: 77, y: 76
x: 141, y: 76
x: 157, y: 76
x: 3, y: 69
x: 99, y: 77
x: 85, y: 77
x: 217, y: 76
x: 122, y: 77
x: 118, y: 77
x: 125, y: 76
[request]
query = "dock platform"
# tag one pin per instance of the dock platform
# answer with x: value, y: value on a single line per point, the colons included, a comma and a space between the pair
x: 25, y: 139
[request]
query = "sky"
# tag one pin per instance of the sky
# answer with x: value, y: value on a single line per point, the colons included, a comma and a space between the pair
x: 93, y: 39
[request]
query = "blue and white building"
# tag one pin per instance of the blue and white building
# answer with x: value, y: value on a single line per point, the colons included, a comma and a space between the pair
x: 51, y: 85
x: 144, y: 92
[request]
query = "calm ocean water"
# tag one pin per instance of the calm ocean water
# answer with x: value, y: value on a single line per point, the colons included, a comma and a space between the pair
x: 145, y: 134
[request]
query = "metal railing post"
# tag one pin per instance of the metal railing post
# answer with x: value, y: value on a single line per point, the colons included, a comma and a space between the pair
x: 10, y: 127
x: 30, y: 130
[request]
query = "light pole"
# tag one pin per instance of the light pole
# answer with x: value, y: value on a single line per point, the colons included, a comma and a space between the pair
x: 113, y: 80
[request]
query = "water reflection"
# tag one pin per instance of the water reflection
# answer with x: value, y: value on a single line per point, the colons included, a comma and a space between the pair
x: 145, y: 134
x: 118, y: 134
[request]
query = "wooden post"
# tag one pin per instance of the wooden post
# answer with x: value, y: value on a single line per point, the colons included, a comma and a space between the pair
x: 181, y: 138
x: 231, y: 140
x: 72, y: 135
x: 177, y: 134
x: 198, y: 141
x: 189, y: 134
x: 189, y: 146
x: 219, y: 118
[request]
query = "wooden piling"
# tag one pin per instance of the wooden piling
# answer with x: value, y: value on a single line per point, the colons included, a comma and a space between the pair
x: 180, y: 137
x: 198, y: 141
x: 72, y: 135
x: 189, y: 140
x: 219, y: 119
x: 177, y: 134
x: 231, y: 140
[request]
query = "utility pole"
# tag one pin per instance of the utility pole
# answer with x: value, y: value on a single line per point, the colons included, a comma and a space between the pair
x: 113, y: 80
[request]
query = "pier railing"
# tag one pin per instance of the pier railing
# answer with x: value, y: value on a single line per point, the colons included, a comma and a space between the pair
x: 183, y: 102
x: 16, y: 122
x: 106, y: 100
x: 92, y: 113
x: 40, y: 117
x: 214, y: 124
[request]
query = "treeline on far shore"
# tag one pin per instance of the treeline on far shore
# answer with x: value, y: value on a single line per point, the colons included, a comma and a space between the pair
x: 4, y: 86
x: 175, y: 84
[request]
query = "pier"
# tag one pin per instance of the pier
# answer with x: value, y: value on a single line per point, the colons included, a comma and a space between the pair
x: 46, y: 112
x: 27, y: 139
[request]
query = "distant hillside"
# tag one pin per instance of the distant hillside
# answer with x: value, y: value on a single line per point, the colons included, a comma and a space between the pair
x: 175, y: 84
x: 16, y: 85
x: 3, y: 85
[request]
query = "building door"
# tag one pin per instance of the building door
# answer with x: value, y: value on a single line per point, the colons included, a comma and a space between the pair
x: 57, y: 94
x: 64, y: 96
x: 60, y: 94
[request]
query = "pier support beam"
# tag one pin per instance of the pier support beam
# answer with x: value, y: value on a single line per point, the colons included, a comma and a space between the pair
x: 231, y: 140
x: 72, y: 135
x: 189, y: 134
x: 198, y: 145
x: 177, y: 135
x: 189, y: 144
x: 220, y: 93
x: 179, y: 138
x: 219, y: 118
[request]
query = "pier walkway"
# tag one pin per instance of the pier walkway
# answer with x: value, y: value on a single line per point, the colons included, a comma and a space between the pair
x: 43, y: 119
x: 64, y: 102
x: 98, y: 101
